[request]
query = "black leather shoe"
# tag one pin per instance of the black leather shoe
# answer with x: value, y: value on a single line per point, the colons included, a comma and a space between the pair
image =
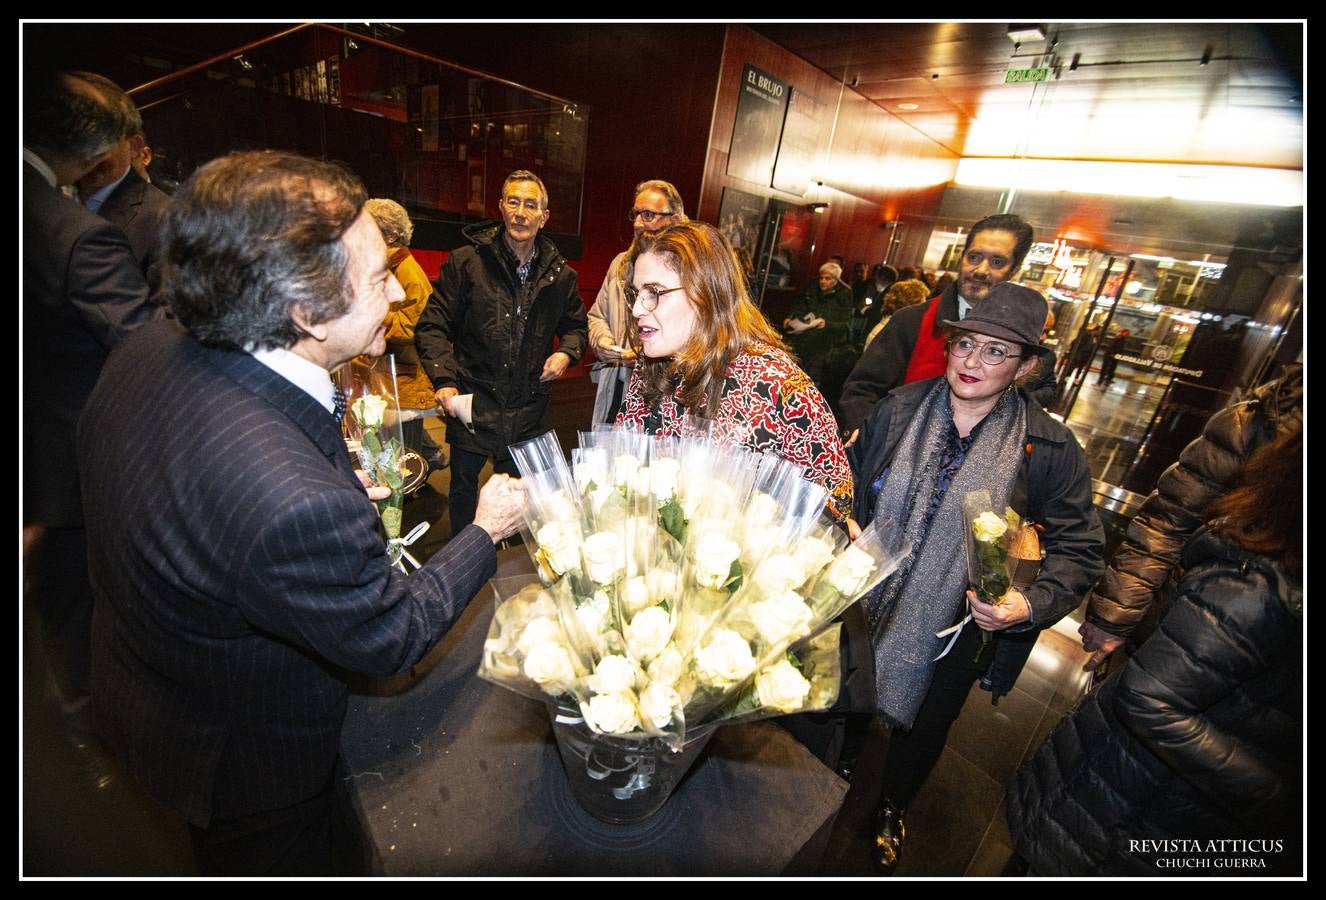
x: 889, y: 835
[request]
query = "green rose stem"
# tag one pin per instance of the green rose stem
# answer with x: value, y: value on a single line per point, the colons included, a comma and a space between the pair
x: 385, y: 469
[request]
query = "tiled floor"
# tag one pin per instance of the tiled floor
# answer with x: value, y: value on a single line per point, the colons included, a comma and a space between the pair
x: 955, y: 827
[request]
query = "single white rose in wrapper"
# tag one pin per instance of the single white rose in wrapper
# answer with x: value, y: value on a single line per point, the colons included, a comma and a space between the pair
x: 624, y: 468
x: 713, y: 561
x: 592, y: 620
x: 592, y: 469
x: 635, y: 595
x: 783, y: 617
x: 725, y: 659
x: 667, y: 666
x: 613, y: 675
x: 663, y: 475
x: 550, y: 667
x: 778, y: 574
x: 604, y: 556
x: 762, y: 508
x: 849, y: 572
x: 757, y: 539
x: 782, y: 687
x: 648, y: 633
x: 662, y: 586
x: 539, y: 631
x: 657, y: 703
x: 641, y: 480
x: 560, y: 544
x: 599, y: 496
x: 612, y: 713
x: 369, y: 410
x: 988, y: 526
x: 814, y: 553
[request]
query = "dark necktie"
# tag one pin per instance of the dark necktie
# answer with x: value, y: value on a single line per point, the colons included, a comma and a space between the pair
x: 338, y: 403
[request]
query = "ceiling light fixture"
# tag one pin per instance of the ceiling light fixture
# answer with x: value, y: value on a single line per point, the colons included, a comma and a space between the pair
x: 909, y: 106
x: 1021, y: 34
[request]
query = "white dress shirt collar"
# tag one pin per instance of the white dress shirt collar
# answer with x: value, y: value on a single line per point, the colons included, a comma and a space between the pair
x: 309, y: 377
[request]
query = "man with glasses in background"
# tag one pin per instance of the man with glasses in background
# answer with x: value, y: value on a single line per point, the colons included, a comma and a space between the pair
x: 911, y: 347
x: 488, y: 331
x: 657, y: 205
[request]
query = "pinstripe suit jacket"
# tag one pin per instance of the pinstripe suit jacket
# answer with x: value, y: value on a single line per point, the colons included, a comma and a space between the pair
x: 237, y: 566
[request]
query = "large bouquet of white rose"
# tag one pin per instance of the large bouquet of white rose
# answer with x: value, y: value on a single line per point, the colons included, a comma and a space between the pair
x: 682, y: 582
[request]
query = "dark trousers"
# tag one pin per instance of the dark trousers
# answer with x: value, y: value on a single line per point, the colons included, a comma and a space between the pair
x: 465, y: 468
x: 913, y: 753
x: 320, y: 836
x: 57, y: 582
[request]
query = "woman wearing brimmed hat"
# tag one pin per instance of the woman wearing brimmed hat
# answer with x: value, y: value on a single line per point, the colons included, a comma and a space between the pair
x: 921, y: 451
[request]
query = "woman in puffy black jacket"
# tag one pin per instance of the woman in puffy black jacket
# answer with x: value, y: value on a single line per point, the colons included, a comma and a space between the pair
x: 1189, y: 761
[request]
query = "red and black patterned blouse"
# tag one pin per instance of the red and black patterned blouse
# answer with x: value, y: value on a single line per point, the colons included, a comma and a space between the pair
x: 775, y: 408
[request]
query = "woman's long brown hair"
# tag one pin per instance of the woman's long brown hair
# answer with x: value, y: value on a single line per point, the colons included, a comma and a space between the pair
x: 1264, y: 511
x: 727, y: 322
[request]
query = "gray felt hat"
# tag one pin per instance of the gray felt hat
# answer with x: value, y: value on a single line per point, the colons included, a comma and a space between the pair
x: 1011, y: 312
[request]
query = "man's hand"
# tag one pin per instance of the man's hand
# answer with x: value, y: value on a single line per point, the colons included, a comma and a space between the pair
x: 554, y: 366
x: 1013, y: 609
x: 444, y: 396
x: 1099, y: 643
x: 609, y: 352
x: 374, y: 493
x: 853, y: 529
x: 501, y: 507
x: 852, y: 440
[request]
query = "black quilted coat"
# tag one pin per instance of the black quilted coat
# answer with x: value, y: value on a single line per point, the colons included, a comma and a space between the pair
x: 1198, y: 737
x: 1174, y: 510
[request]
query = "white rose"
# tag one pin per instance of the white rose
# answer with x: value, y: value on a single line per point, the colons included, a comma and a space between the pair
x: 988, y: 526
x: 648, y: 633
x: 624, y: 468
x: 662, y: 586
x: 759, y: 538
x: 778, y: 574
x: 614, y: 674
x: 640, y: 481
x: 667, y: 666
x: 369, y: 410
x: 725, y: 659
x: 634, y: 595
x: 599, y: 496
x: 713, y: 561
x: 604, y: 556
x: 782, y: 687
x: 592, y: 468
x: 549, y: 666
x: 612, y: 713
x: 542, y: 630
x: 657, y: 703
x: 813, y: 553
x: 591, y: 619
x: 762, y: 508
x: 663, y: 474
x: 781, y: 617
x: 560, y: 545
x: 850, y: 571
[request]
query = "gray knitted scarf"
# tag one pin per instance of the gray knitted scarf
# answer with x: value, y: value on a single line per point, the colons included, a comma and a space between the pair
x: 926, y: 592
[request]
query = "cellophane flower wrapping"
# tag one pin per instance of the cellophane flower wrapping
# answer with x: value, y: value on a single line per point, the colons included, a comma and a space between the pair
x: 679, y: 573
x: 372, y: 429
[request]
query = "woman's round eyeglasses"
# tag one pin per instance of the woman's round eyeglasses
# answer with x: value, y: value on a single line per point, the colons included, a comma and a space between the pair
x: 991, y: 354
x: 647, y: 295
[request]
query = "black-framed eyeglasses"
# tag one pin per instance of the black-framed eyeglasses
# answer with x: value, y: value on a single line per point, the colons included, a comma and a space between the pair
x: 991, y: 354
x: 647, y: 295
x: 648, y: 215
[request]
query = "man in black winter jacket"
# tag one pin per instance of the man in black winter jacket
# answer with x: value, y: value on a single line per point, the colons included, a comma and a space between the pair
x: 488, y: 332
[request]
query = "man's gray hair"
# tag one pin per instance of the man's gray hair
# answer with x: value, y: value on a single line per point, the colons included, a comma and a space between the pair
x: 667, y: 189
x: 115, y: 95
x: 833, y: 269
x: 73, y: 117
x: 393, y: 221
x: 526, y: 175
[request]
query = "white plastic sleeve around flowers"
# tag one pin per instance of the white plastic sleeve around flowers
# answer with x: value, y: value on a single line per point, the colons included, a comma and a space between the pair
x: 819, y: 663
x: 551, y: 527
x: 862, y: 565
x: 527, y: 649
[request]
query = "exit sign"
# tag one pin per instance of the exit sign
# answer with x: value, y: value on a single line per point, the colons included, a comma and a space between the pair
x: 1026, y: 76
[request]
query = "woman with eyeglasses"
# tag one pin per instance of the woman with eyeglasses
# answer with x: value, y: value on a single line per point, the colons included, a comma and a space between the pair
x: 705, y: 352
x: 925, y: 446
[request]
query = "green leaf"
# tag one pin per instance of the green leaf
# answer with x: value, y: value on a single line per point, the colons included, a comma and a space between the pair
x: 792, y: 658
x: 672, y: 519
x: 391, y: 521
x: 591, y: 487
x: 663, y: 605
x: 734, y: 577
x: 371, y: 442
x: 581, y: 586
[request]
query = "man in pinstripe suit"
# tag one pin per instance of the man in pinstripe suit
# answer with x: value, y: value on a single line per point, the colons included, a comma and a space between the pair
x: 234, y: 555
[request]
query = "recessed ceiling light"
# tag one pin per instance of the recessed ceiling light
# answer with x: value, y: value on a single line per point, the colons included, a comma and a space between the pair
x: 1021, y: 34
x: 909, y: 106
